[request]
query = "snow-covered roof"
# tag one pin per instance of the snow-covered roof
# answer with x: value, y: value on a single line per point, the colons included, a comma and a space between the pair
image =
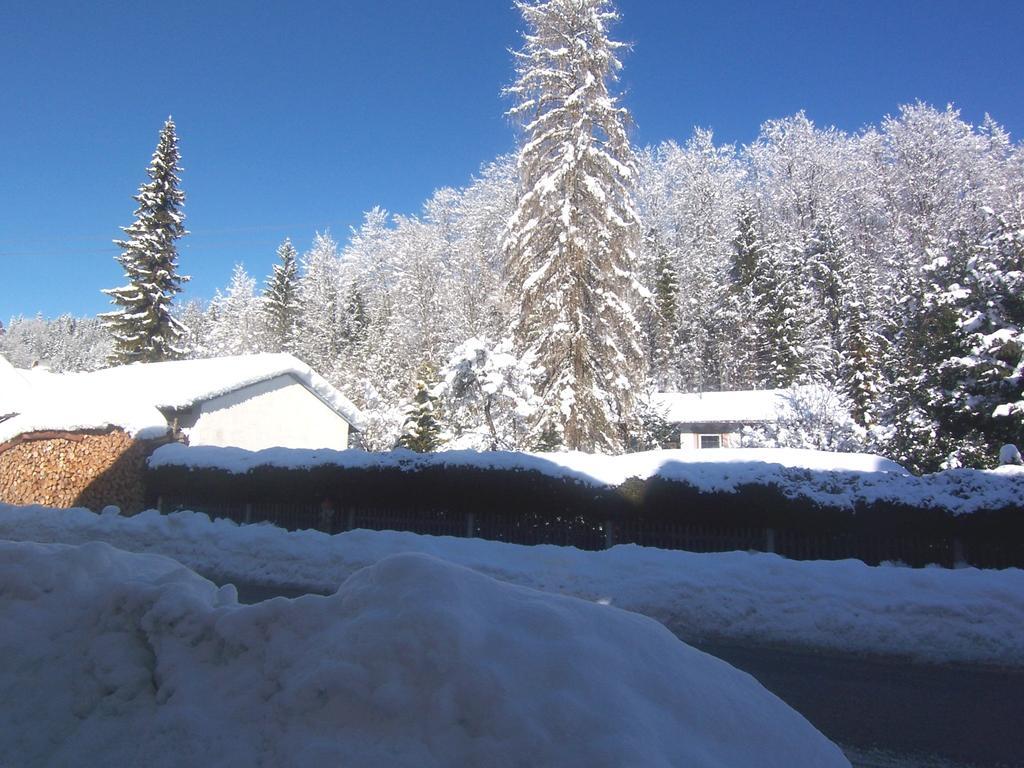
x: 180, y: 384
x: 743, y: 407
x: 134, y: 397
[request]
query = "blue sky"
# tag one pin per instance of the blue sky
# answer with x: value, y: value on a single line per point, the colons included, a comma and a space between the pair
x: 297, y: 116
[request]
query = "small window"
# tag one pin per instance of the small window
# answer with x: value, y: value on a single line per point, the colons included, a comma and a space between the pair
x: 710, y: 441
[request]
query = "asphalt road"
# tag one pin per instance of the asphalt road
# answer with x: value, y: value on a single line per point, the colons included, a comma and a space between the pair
x: 888, y: 713
x: 884, y: 714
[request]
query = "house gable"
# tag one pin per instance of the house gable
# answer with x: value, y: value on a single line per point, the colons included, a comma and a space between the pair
x: 276, y: 412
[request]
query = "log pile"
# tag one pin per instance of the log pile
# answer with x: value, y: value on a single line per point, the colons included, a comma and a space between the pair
x: 75, y: 469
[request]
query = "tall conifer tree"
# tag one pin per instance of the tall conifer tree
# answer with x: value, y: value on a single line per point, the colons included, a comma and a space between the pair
x: 281, y: 299
x: 572, y: 241
x: 143, y: 328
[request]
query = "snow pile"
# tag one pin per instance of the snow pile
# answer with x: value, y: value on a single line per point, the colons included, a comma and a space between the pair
x: 413, y: 662
x: 71, y: 402
x: 930, y: 614
x: 840, y: 480
x: 134, y: 397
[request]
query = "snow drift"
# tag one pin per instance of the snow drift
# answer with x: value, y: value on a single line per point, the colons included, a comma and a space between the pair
x: 929, y: 614
x: 124, y: 659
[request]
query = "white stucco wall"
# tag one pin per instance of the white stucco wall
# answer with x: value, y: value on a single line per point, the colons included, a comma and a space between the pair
x: 279, y: 412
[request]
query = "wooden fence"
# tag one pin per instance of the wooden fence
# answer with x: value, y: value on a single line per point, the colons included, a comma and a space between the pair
x: 586, y: 533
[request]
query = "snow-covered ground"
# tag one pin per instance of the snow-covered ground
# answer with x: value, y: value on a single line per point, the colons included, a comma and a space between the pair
x: 931, y: 614
x: 113, y: 658
x: 828, y: 478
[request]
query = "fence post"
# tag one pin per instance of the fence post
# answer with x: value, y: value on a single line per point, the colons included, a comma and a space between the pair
x: 160, y: 504
x: 959, y: 556
x: 470, y: 526
x: 769, y: 540
x: 350, y: 524
x: 248, y: 512
x: 609, y: 535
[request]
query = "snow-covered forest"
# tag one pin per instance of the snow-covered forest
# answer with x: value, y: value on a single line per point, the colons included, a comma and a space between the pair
x: 886, y: 265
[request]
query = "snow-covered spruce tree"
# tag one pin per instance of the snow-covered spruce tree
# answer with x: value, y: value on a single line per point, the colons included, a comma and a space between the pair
x: 859, y: 379
x: 422, y: 430
x: 320, y: 298
x: 996, y: 326
x: 143, y: 328
x: 826, y: 263
x: 931, y: 398
x: 665, y: 331
x: 572, y: 241
x: 780, y: 323
x: 236, y: 325
x: 281, y: 300
x: 740, y: 307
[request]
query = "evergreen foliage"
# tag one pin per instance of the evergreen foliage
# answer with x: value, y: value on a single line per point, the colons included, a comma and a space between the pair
x: 281, y: 300
x: 884, y: 266
x: 237, y: 320
x: 859, y: 378
x: 780, y: 323
x: 421, y: 431
x: 573, y: 239
x: 143, y: 328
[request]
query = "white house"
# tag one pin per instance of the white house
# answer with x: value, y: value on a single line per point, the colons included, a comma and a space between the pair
x: 248, y: 401
x: 716, y: 419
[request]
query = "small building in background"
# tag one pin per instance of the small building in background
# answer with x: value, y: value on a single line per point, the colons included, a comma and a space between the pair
x: 83, y: 438
x: 705, y: 420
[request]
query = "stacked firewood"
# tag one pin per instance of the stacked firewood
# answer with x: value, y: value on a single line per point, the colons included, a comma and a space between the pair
x: 74, y: 469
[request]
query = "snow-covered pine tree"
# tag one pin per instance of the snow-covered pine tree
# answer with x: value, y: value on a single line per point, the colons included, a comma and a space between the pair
x: 826, y: 263
x: 780, y: 323
x: 320, y: 300
x: 236, y: 325
x: 740, y: 307
x: 666, y: 324
x: 930, y: 401
x: 195, y: 316
x: 143, y: 328
x: 421, y: 431
x: 572, y: 241
x: 859, y: 379
x: 281, y: 300
x: 996, y: 327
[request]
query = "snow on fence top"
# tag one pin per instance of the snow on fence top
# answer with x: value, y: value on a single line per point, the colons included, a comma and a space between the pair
x: 839, y: 480
x: 596, y: 469
x: 133, y: 396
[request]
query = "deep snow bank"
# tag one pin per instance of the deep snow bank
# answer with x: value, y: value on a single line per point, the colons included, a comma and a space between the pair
x: 838, y: 480
x: 119, y: 659
x: 932, y: 614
